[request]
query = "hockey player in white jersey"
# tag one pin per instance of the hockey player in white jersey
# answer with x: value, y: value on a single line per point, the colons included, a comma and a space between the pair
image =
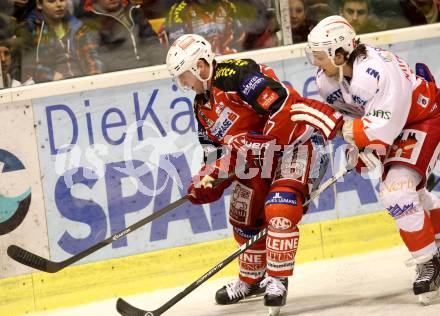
x: 388, y: 107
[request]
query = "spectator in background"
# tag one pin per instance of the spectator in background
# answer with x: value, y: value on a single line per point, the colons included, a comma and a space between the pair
x: 420, y: 12
x: 259, y: 22
x: 125, y: 38
x: 18, y: 9
x: 6, y: 60
x: 300, y: 22
x: 215, y: 20
x: 391, y: 13
x: 59, y: 46
x: 359, y: 14
x: 156, y: 9
x: 320, y: 9
x: 12, y: 34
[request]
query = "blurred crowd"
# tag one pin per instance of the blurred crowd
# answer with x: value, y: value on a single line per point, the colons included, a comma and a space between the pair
x: 46, y: 40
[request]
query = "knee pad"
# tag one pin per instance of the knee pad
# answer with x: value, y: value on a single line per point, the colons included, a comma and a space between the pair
x: 283, y: 204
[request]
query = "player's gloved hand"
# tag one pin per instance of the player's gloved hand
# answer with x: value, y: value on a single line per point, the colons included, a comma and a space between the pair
x: 255, y: 148
x: 205, y: 187
x: 365, y: 161
x: 319, y: 115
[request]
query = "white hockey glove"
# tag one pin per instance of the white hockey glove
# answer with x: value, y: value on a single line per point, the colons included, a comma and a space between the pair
x: 347, y: 132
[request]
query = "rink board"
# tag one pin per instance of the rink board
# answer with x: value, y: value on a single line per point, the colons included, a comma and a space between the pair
x: 183, y: 265
x: 22, y: 211
x: 87, y: 197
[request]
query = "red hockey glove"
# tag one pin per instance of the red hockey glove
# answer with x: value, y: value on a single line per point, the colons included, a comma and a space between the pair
x: 255, y: 148
x: 319, y: 115
x: 203, y: 189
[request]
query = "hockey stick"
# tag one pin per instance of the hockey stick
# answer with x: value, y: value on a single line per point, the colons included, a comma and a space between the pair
x: 126, y: 309
x: 35, y: 261
x: 432, y: 183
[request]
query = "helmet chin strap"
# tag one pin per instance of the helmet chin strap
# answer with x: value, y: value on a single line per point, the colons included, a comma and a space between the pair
x: 205, y: 81
x: 340, y: 69
x: 341, y: 72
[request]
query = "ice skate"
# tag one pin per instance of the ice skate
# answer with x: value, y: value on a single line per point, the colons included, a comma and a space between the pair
x: 236, y: 291
x: 276, y: 294
x: 427, y: 283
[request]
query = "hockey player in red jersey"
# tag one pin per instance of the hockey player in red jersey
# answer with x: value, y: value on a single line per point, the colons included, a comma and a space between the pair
x: 243, y: 106
x: 385, y: 104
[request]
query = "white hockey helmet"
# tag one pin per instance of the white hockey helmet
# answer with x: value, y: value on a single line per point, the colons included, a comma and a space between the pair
x: 330, y: 34
x: 184, y: 54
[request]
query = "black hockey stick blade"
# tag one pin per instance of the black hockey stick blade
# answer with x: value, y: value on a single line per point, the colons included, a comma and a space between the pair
x: 127, y: 309
x: 32, y: 260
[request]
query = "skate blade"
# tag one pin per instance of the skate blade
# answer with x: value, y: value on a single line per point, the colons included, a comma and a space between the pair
x: 429, y: 297
x: 274, y: 310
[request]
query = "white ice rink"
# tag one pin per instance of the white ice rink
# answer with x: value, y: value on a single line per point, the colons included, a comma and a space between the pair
x: 376, y: 283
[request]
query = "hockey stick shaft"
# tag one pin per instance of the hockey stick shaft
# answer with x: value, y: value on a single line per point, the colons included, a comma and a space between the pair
x: 126, y: 309
x: 34, y: 261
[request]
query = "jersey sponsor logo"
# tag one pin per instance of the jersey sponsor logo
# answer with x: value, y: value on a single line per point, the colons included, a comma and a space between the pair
x: 407, y: 184
x: 357, y: 99
x: 374, y: 73
x: 267, y: 98
x: 251, y: 84
x: 241, y: 198
x: 226, y: 119
x: 398, y: 211
x: 280, y: 223
x: 224, y: 72
x: 281, y: 198
x: 248, y: 234
x: 334, y: 96
x: 386, y: 115
x: 237, y: 62
x: 285, y: 244
x: 422, y: 100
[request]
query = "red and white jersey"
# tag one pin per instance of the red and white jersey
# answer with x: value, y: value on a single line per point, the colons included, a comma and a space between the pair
x: 248, y: 97
x: 384, y: 95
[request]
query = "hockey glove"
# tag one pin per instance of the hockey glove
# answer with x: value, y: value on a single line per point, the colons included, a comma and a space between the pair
x: 319, y: 115
x: 202, y: 188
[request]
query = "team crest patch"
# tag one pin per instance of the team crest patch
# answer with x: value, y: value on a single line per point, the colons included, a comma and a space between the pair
x: 267, y: 98
x: 422, y: 100
x: 407, y: 146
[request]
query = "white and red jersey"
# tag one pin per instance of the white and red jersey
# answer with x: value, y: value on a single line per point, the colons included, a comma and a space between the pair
x: 383, y: 96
